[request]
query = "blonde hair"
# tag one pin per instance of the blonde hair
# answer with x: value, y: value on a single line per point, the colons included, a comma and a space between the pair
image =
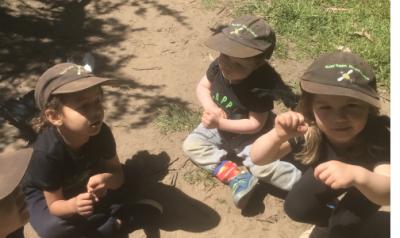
x: 376, y: 134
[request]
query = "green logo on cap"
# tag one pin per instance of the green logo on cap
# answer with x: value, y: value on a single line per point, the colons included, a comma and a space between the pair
x: 346, y: 76
x: 78, y: 69
x: 239, y: 27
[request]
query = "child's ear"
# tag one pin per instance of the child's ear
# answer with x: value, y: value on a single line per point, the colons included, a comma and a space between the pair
x: 53, y: 116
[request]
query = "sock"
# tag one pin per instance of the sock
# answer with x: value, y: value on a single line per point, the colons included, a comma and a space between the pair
x: 225, y: 171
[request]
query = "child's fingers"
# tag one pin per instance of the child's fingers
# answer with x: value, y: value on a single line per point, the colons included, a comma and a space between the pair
x: 85, y: 211
x: 319, y: 169
x: 324, y: 175
x: 303, y: 128
x: 85, y: 196
x: 329, y: 181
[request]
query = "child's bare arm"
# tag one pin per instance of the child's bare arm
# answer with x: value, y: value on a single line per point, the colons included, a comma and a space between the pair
x: 274, y: 144
x: 81, y: 204
x: 112, y: 178
x: 375, y: 185
x: 203, y: 92
x: 252, y: 125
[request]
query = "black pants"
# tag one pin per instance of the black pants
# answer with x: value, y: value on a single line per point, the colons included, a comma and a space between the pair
x: 100, y: 224
x: 311, y: 201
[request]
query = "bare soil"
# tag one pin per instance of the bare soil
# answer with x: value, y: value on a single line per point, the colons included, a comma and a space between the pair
x: 157, y: 47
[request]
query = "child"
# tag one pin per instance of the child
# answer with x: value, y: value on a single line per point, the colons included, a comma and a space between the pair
x: 72, y: 181
x: 339, y: 134
x: 13, y: 212
x: 236, y: 109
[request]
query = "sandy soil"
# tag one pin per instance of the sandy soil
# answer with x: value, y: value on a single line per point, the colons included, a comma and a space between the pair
x: 156, y: 46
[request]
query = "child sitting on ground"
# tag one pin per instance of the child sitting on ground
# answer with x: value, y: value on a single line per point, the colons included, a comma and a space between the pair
x: 74, y: 181
x: 236, y: 109
x: 339, y: 133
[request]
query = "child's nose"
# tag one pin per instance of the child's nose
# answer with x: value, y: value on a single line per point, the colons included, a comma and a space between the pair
x: 340, y: 115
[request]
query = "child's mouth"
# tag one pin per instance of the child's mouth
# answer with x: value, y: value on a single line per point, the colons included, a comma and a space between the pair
x: 95, y: 124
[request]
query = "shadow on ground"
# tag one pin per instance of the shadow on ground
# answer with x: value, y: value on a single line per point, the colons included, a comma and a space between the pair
x: 36, y: 34
x: 144, y: 172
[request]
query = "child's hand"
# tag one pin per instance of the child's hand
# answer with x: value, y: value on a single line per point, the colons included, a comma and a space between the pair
x: 210, y: 120
x: 290, y: 124
x: 218, y: 111
x: 336, y: 174
x: 84, y: 204
x: 97, y: 186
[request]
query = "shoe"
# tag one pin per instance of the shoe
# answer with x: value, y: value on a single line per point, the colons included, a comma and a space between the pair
x: 242, y: 186
x: 143, y: 214
x: 316, y: 232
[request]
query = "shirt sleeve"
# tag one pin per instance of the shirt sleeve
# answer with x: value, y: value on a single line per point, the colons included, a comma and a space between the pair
x: 212, y: 71
x: 45, y: 171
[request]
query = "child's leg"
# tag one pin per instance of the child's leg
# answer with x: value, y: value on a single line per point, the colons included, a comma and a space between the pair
x: 350, y: 214
x: 204, y: 148
x: 376, y: 225
x: 308, y: 200
x: 280, y: 174
x: 47, y: 225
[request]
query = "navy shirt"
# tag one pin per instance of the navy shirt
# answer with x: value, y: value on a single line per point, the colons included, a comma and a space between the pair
x: 54, y: 165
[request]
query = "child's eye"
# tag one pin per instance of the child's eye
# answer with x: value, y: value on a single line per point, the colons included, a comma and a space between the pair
x: 324, y: 107
x: 353, y: 105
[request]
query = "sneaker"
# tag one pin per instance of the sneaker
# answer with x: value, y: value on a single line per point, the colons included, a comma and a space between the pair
x: 242, y: 187
x: 316, y: 232
x: 143, y: 214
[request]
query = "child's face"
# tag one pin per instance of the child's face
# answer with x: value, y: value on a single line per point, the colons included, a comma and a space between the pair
x: 236, y: 68
x: 340, y: 118
x: 13, y: 212
x: 82, y: 113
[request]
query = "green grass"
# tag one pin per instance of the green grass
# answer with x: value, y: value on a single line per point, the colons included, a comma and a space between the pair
x: 314, y: 27
x: 210, y: 4
x: 175, y: 118
x: 200, y: 176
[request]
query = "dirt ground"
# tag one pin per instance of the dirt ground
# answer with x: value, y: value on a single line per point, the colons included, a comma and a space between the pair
x: 156, y: 46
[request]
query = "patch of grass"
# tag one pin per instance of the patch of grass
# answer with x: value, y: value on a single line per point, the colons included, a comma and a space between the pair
x: 200, y: 176
x: 175, y: 118
x: 210, y: 4
x: 320, y: 26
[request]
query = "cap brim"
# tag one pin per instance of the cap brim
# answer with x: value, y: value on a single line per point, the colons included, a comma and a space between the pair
x: 317, y: 88
x: 12, y: 168
x: 84, y: 83
x: 223, y: 44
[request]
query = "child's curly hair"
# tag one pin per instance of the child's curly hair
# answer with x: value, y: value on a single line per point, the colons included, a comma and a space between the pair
x: 40, y: 122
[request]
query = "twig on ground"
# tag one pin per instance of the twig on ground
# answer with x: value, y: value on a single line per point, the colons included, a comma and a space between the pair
x: 151, y: 68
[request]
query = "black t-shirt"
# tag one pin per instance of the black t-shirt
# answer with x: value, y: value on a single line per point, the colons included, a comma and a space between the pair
x: 251, y: 94
x: 55, y: 165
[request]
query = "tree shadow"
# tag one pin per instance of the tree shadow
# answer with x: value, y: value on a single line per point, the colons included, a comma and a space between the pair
x: 36, y: 34
x: 144, y: 171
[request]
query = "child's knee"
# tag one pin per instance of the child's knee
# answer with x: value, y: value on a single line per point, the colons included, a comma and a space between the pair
x: 296, y: 209
x: 55, y: 228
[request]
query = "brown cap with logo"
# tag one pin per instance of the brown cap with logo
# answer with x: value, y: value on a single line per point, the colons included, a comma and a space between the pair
x: 12, y: 169
x: 343, y: 74
x: 65, y: 78
x: 246, y: 36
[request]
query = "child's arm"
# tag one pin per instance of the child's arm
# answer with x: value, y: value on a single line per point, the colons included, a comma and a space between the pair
x: 112, y: 178
x: 252, y: 125
x: 274, y: 145
x: 375, y: 185
x: 82, y: 204
x: 203, y: 92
